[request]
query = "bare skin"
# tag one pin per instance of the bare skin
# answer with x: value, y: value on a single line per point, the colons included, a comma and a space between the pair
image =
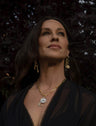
x: 51, y: 61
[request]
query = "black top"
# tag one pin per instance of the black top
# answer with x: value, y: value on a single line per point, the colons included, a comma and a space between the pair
x: 71, y: 105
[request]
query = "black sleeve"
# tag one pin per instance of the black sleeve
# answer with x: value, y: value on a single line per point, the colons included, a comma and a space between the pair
x: 4, y: 110
x: 88, y: 109
x: 3, y: 114
x: 89, y: 116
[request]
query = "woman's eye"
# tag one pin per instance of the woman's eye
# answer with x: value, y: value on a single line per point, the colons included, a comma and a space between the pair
x: 61, y: 33
x: 45, y: 33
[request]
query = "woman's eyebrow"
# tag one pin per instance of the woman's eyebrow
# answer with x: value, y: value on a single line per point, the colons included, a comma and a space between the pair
x: 45, y: 28
x: 60, y: 29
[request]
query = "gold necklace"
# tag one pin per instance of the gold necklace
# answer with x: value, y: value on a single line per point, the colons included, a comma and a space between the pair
x: 43, y: 100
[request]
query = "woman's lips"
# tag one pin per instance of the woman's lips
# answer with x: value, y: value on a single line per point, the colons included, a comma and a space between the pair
x: 54, y: 46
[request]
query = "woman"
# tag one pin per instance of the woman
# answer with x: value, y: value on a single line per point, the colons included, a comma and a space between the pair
x: 51, y: 99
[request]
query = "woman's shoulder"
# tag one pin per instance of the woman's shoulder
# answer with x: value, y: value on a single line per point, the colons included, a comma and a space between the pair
x: 81, y: 89
x: 15, y: 98
x: 13, y: 102
x: 86, y: 95
x: 86, y: 92
x: 81, y: 93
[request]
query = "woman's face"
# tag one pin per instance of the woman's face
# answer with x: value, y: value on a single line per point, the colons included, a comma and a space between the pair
x: 53, y: 42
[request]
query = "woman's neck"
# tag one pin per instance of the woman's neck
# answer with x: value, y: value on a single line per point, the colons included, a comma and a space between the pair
x: 51, y: 74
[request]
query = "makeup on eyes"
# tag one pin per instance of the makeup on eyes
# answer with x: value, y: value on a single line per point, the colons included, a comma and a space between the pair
x: 61, y: 33
x: 47, y: 31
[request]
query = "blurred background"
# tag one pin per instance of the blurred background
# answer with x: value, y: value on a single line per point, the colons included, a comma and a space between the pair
x: 19, y: 16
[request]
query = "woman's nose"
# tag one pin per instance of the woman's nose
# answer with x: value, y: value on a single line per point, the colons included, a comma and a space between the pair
x: 54, y: 38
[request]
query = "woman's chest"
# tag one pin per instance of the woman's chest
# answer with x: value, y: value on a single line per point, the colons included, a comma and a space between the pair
x: 36, y: 112
x: 35, y: 109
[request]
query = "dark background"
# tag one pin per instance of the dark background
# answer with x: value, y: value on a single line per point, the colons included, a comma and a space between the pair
x: 17, y: 18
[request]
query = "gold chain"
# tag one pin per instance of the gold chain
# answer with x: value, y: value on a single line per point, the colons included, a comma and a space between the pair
x: 44, y: 95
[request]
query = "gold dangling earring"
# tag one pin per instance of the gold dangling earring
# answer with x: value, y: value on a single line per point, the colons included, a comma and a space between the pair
x: 67, y: 66
x: 36, y: 66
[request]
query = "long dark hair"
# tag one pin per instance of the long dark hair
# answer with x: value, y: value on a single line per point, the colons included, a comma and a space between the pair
x: 24, y: 61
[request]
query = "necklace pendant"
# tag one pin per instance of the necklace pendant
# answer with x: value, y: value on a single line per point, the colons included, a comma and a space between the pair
x: 42, y: 101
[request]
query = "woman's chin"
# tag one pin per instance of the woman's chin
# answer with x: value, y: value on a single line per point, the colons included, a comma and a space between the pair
x: 52, y: 58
